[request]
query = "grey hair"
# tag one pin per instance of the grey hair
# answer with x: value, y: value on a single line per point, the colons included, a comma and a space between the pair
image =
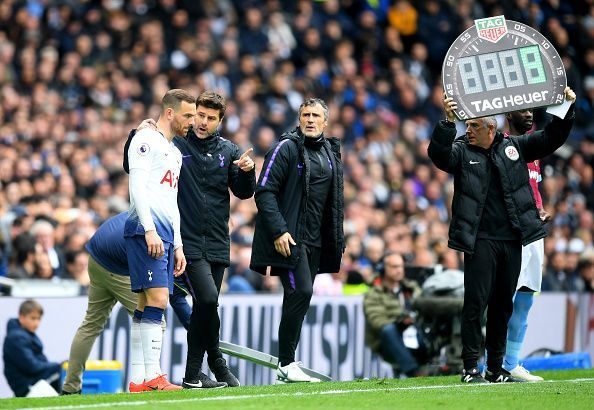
x: 310, y: 102
x: 487, y: 121
x: 41, y: 226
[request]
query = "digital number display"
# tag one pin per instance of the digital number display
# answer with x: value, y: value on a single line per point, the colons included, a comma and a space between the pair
x: 498, y: 66
x: 502, y: 69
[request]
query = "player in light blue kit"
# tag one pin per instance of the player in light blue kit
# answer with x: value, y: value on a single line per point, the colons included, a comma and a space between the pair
x: 152, y: 232
x: 530, y: 280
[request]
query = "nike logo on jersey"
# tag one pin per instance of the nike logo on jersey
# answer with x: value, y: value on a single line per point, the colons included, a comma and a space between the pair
x: 473, y: 162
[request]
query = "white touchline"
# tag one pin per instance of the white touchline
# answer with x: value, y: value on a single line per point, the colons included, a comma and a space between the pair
x: 313, y: 393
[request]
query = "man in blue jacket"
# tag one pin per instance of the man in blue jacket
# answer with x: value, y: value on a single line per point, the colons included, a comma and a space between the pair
x: 24, y: 361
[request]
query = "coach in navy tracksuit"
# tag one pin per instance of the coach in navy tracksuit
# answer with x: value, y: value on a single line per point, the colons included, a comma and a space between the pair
x: 299, y: 223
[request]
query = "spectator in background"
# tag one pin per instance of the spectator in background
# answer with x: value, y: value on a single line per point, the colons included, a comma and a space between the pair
x: 24, y: 361
x: 586, y: 270
x: 388, y: 313
x: 24, y: 249
x: 43, y: 232
x: 43, y: 266
x: 373, y: 249
x: 562, y: 274
x: 77, y: 267
x: 241, y: 278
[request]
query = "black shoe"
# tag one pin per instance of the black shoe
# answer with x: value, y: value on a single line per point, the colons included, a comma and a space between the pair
x: 472, y: 376
x: 223, y: 373
x: 67, y: 393
x: 202, y: 382
x: 501, y: 376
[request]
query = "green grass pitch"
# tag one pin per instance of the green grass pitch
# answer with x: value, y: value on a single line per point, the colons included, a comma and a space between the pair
x: 572, y: 389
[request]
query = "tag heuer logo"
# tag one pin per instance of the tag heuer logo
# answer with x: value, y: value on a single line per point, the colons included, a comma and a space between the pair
x: 491, y: 29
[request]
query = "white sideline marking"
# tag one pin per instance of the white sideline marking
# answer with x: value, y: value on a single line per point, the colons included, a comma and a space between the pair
x: 267, y: 395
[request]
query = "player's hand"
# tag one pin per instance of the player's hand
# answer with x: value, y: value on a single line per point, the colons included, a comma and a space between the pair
x: 245, y: 163
x: 544, y: 215
x: 148, y: 123
x: 569, y: 95
x: 154, y: 244
x: 449, y: 105
x: 282, y: 244
x: 180, y: 261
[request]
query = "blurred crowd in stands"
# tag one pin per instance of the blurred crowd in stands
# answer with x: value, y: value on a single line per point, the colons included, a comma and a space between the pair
x: 76, y: 76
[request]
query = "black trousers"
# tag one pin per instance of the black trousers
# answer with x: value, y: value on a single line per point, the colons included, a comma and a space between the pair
x: 203, y: 333
x: 490, y: 279
x: 298, y: 290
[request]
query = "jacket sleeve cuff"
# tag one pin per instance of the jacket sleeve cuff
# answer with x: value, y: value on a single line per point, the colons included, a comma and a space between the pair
x: 447, y: 124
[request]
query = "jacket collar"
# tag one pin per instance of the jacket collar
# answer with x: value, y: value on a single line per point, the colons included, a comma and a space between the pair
x: 496, y: 141
x: 295, y: 135
x: 204, y: 145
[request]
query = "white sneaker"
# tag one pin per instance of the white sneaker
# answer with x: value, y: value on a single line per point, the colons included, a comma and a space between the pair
x: 520, y: 372
x: 292, y: 373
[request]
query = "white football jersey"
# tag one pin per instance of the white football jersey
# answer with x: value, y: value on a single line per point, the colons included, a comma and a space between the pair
x: 161, y: 161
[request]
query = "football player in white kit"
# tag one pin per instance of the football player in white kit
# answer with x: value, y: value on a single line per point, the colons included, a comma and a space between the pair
x: 152, y: 232
x: 520, y: 122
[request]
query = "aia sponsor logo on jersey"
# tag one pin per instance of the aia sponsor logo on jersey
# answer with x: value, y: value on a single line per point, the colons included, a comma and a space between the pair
x: 170, y: 179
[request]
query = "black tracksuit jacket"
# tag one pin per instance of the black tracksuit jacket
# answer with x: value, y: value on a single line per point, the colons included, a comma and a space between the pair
x: 203, y: 197
x: 281, y: 196
x: 471, y: 167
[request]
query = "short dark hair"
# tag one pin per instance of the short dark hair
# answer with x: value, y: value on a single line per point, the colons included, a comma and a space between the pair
x: 70, y: 256
x: 174, y: 97
x: 310, y: 102
x: 210, y: 99
x: 29, y: 306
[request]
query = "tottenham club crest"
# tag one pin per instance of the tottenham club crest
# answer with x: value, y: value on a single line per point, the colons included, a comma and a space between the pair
x: 512, y: 153
x: 143, y: 149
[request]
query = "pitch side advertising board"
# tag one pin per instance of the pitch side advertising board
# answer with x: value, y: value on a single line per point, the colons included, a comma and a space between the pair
x: 500, y: 65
